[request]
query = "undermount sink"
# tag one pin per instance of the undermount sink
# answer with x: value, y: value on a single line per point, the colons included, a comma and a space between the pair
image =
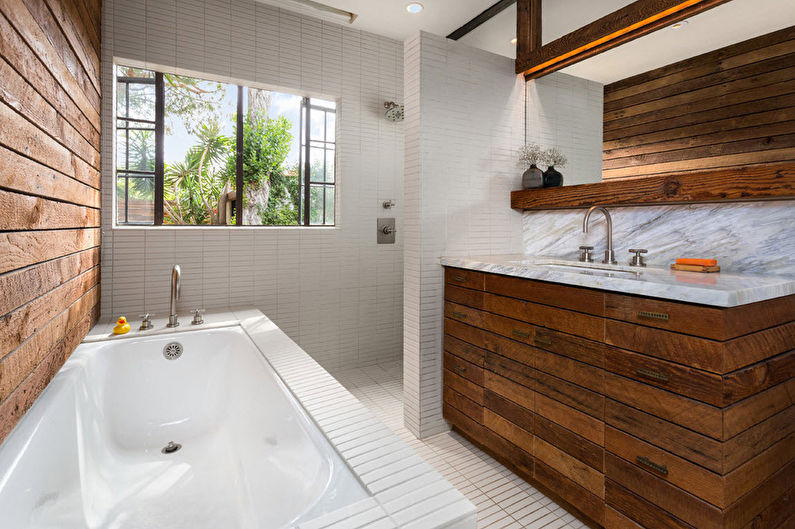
x: 579, y: 267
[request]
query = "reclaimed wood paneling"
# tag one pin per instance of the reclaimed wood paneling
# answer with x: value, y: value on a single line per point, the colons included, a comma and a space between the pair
x: 726, y: 108
x: 49, y: 192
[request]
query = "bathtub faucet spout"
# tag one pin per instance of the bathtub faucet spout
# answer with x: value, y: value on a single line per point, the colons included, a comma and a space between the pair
x: 176, y: 274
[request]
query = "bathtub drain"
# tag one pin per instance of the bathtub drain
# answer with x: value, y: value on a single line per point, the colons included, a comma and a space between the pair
x: 171, y: 447
x: 172, y: 351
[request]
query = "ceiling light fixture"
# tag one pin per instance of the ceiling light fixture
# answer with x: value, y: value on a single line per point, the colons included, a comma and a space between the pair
x: 513, y: 40
x: 679, y: 25
x: 414, y: 8
x: 348, y: 16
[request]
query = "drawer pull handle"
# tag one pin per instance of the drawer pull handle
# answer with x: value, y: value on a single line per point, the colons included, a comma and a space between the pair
x: 653, y: 375
x: 646, y: 462
x: 459, y: 315
x: 521, y: 334
x: 653, y: 315
x: 459, y: 279
x: 459, y: 369
x: 546, y: 340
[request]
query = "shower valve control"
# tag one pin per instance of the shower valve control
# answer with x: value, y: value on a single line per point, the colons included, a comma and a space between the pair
x: 197, y: 317
x: 146, y: 322
x: 386, y: 231
x: 388, y: 204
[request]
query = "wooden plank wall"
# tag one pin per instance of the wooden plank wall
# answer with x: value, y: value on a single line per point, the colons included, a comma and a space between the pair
x: 49, y: 191
x: 731, y: 107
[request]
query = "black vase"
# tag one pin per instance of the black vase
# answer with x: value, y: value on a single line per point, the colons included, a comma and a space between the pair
x: 533, y: 177
x: 552, y: 177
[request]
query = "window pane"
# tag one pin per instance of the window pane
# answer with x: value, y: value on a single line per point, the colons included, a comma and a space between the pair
x: 141, y: 104
x: 316, y: 165
x: 330, y: 165
x: 271, y: 175
x: 329, y: 204
x: 141, y: 150
x: 331, y: 120
x: 199, y: 151
x: 121, y: 149
x: 316, y: 202
x: 323, y: 103
x: 135, y: 204
x: 317, y: 125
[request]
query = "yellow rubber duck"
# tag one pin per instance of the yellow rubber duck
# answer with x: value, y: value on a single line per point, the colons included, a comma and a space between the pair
x: 122, y: 327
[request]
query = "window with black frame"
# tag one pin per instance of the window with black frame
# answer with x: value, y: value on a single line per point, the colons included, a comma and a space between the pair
x: 135, y: 146
x: 191, y: 151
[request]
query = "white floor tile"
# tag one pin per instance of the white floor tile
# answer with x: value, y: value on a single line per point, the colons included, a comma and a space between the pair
x: 504, y: 501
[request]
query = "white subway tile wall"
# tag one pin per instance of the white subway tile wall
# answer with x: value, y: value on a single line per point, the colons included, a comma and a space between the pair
x: 464, y: 123
x: 467, y: 114
x: 334, y: 291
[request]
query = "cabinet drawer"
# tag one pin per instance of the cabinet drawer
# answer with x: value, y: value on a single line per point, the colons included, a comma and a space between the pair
x: 463, y: 368
x: 464, y: 278
x: 555, y: 295
x: 682, y: 473
x: 694, y: 383
x: 518, y: 415
x: 585, y: 325
x: 571, y: 395
x: 509, y: 389
x: 583, y: 475
x: 698, y: 320
x: 580, y: 498
x: 631, y: 508
x: 574, y: 420
x: 463, y: 386
x: 508, y: 430
x: 472, y: 354
x: 517, y: 372
x: 575, y: 445
x: 691, y: 414
x: 467, y: 406
x: 680, y: 441
x: 654, y: 489
x: 570, y: 370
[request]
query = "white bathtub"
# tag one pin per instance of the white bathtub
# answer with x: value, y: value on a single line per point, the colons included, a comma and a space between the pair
x: 88, y: 453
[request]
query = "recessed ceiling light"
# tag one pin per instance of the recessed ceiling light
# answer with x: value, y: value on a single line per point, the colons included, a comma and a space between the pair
x: 513, y: 40
x: 414, y: 7
x: 679, y: 25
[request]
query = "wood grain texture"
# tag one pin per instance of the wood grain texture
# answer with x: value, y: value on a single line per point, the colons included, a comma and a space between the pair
x: 49, y: 191
x: 739, y: 75
x: 762, y: 182
x: 623, y: 25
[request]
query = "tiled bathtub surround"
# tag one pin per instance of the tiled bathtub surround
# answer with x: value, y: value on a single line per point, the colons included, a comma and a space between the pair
x: 334, y: 291
x: 749, y: 237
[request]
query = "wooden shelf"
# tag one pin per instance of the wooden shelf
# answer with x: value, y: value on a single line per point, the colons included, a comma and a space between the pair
x: 757, y: 182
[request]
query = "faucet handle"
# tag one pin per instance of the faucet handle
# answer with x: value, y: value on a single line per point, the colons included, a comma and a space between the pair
x: 637, y: 259
x: 197, y: 317
x: 585, y: 254
x: 146, y: 322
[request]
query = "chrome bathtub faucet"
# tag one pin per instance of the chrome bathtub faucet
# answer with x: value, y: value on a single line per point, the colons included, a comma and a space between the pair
x: 176, y: 274
x: 610, y: 255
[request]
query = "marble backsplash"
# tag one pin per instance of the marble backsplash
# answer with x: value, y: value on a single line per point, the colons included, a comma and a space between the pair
x: 748, y: 237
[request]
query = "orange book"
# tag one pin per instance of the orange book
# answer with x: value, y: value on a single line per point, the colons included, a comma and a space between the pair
x: 697, y: 262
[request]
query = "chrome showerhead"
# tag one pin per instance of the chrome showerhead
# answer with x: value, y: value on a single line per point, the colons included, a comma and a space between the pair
x: 394, y: 112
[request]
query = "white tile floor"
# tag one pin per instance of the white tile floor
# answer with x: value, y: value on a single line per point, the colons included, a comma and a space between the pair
x: 504, y: 500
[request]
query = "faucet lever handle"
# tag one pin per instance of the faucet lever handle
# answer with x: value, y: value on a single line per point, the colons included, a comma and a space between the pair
x: 585, y: 254
x: 637, y: 259
x: 146, y: 321
x: 197, y: 317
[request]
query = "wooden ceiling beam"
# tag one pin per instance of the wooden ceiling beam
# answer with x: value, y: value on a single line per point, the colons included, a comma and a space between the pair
x: 482, y: 18
x: 623, y: 25
x: 528, y: 26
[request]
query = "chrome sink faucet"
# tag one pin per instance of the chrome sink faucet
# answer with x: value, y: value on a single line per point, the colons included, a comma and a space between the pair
x: 176, y: 275
x: 610, y: 255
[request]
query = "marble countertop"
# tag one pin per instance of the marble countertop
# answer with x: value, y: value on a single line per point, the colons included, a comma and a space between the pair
x: 718, y: 289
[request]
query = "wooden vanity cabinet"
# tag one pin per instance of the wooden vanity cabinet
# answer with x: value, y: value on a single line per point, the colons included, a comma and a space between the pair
x: 637, y: 412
